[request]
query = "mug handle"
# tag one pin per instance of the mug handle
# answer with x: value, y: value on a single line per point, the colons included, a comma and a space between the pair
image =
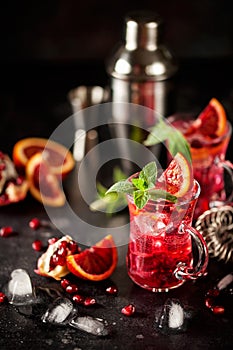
x: 184, y: 272
x: 228, y: 166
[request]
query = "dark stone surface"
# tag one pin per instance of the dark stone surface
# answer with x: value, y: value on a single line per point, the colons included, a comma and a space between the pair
x: 33, y: 102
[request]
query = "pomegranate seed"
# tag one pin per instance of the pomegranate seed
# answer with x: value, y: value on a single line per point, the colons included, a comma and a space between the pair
x: 63, y: 244
x: 65, y: 283
x: 128, y: 310
x: 34, y: 223
x: 52, y: 240
x: 19, y: 180
x: 71, y: 289
x: 3, y: 297
x: 2, y: 166
x: 4, y: 198
x: 37, y: 245
x: 77, y: 298
x: 112, y: 290
x: 58, y: 260
x: 6, y: 231
x: 209, y: 302
x: 61, y: 252
x: 213, y: 292
x: 73, y: 247
x: 89, y: 301
x: 218, y: 310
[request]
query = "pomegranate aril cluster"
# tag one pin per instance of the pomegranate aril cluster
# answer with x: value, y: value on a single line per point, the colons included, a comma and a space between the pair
x: 64, y: 248
x: 72, y: 288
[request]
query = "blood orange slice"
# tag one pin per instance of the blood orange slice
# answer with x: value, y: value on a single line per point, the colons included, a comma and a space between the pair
x: 60, y: 159
x: 96, y: 263
x: 212, y: 121
x: 177, y: 179
x: 43, y: 184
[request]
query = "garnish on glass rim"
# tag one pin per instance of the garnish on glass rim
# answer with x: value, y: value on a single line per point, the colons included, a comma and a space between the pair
x: 176, y: 142
x: 160, y: 132
x: 142, y: 188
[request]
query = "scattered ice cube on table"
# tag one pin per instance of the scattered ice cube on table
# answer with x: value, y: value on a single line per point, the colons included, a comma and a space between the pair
x: 176, y: 316
x: 19, y: 289
x: 95, y: 326
x: 59, y: 311
x: 173, y: 318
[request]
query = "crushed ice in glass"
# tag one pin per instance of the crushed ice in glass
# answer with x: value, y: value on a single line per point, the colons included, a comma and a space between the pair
x: 95, y: 326
x: 59, y: 311
x: 19, y: 290
x: 173, y: 317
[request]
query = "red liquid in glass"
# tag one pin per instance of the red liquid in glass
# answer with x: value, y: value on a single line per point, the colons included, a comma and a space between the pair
x: 206, y: 152
x: 157, y: 245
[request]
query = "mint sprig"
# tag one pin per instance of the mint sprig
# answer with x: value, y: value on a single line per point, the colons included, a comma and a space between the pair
x: 176, y: 142
x: 142, y: 188
x: 112, y: 202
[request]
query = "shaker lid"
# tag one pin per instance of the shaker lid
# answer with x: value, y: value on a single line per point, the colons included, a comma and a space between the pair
x: 142, y: 30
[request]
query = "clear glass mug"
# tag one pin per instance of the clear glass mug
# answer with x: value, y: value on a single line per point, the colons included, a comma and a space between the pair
x: 208, y: 158
x: 160, y: 253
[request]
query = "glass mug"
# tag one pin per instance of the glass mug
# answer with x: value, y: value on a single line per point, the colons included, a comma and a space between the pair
x: 160, y: 253
x: 208, y: 158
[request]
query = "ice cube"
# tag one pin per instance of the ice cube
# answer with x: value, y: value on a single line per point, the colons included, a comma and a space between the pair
x: 149, y: 224
x: 176, y: 316
x: 19, y: 289
x: 58, y: 312
x: 95, y: 326
x: 173, y: 318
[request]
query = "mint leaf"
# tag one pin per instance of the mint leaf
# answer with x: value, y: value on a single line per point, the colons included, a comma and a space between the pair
x: 149, y: 174
x: 118, y: 174
x: 140, y: 184
x: 178, y: 144
x: 140, y: 198
x: 157, y: 194
x: 163, y: 131
x: 158, y: 134
x: 123, y: 186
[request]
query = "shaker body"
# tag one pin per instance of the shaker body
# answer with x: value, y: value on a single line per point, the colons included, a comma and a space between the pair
x: 142, y: 67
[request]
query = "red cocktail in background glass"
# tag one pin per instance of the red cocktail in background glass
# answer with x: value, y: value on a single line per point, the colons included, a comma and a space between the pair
x: 208, y: 158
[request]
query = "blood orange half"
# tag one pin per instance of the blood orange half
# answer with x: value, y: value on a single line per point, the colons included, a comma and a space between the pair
x: 60, y: 159
x: 177, y: 179
x: 96, y: 263
x: 212, y: 121
x: 43, y: 184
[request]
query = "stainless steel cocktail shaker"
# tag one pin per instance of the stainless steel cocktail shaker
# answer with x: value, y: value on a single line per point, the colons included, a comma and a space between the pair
x: 141, y: 68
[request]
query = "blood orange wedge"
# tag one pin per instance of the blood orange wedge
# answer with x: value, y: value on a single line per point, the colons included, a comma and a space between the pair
x: 177, y: 179
x: 212, y: 121
x: 43, y: 184
x: 96, y: 263
x: 58, y: 156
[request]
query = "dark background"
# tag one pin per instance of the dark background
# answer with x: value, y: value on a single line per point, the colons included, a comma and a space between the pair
x: 71, y: 30
x: 50, y: 47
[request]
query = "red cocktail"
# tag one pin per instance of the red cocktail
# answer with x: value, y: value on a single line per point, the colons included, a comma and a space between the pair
x: 208, y: 157
x: 160, y: 248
